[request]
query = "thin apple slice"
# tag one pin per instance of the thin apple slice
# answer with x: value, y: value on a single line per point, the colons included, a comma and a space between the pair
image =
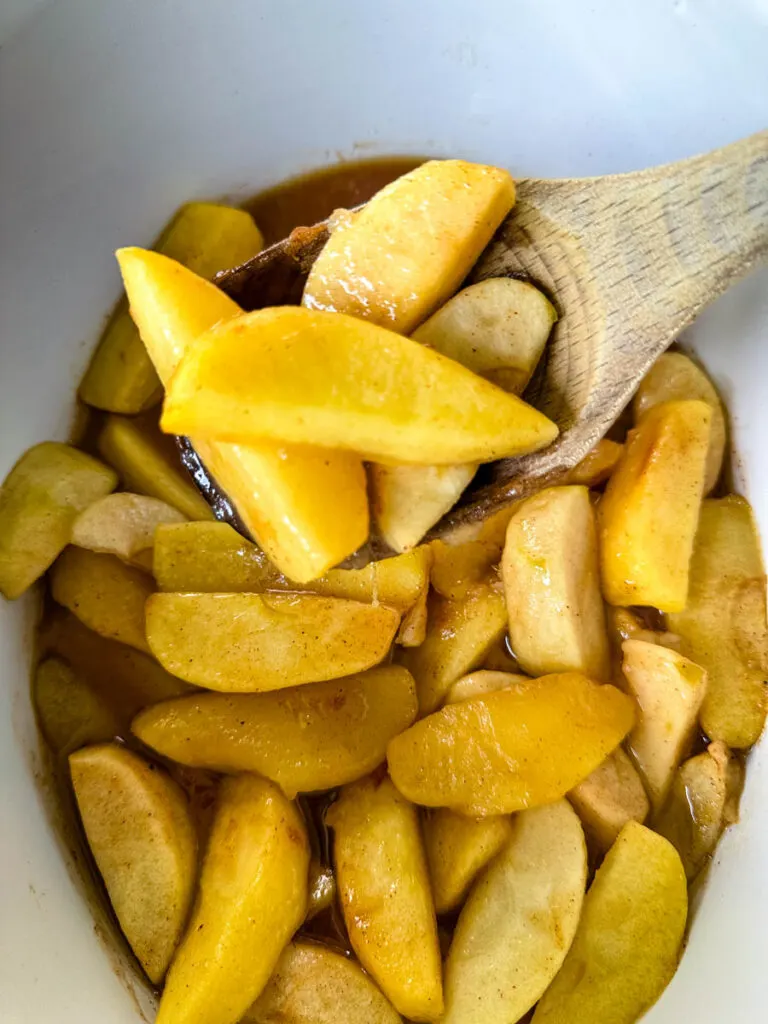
x: 315, y: 985
x: 530, y: 744
x: 385, y: 895
x: 519, y: 921
x: 254, y: 642
x: 629, y: 938
x: 306, y: 738
x: 138, y: 827
x: 252, y: 897
x: 123, y: 524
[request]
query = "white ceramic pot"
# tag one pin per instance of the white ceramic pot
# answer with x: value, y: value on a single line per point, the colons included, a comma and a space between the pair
x: 112, y: 113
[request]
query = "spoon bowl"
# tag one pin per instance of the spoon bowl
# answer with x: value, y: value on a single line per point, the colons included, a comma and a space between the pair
x: 629, y: 261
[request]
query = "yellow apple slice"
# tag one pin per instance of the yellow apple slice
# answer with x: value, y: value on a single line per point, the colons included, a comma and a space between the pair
x: 301, y: 377
x: 458, y: 848
x: 305, y: 738
x: 308, y: 509
x: 385, y: 895
x: 530, y: 744
x: 628, y: 942
x: 252, y: 897
x: 253, y: 642
x: 411, y: 245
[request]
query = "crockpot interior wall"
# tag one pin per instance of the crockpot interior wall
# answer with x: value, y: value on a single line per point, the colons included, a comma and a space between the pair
x: 111, y: 114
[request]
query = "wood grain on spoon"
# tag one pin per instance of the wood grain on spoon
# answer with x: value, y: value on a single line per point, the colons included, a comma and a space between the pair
x: 629, y: 260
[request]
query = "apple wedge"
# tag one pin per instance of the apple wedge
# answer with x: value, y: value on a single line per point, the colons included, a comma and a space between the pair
x: 250, y: 642
x: 214, y: 558
x: 71, y: 713
x: 301, y: 377
x: 458, y: 635
x: 458, y: 848
x: 650, y: 509
x: 315, y: 985
x: 124, y: 525
x: 675, y: 377
x: 306, y: 738
x: 629, y: 938
x: 106, y: 595
x: 693, y: 817
x: 608, y: 798
x: 551, y: 579
x: 252, y: 897
x: 410, y: 247
x: 478, y: 684
x: 519, y: 921
x: 207, y: 238
x: 307, y: 508
x: 669, y: 690
x: 530, y: 744
x: 142, y: 838
x: 149, y: 464
x: 39, y: 501
x: 723, y: 627
x: 385, y: 895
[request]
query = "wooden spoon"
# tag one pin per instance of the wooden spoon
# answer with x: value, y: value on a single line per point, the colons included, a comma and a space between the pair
x: 628, y: 259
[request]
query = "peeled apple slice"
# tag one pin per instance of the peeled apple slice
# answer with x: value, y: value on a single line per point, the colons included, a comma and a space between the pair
x: 385, y: 894
x: 252, y: 897
x: 123, y: 524
x: 410, y: 247
x: 669, y: 690
x: 529, y: 743
x: 39, y: 501
x: 305, y: 738
x: 519, y: 921
x: 627, y: 945
x: 308, y: 509
x: 252, y: 642
x: 106, y: 595
x: 314, y: 985
x: 302, y: 377
x: 675, y: 377
x: 458, y: 848
x: 207, y: 238
x: 648, y: 515
x: 142, y: 838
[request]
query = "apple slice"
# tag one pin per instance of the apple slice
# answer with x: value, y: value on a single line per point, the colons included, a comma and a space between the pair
x: 529, y: 744
x: 519, y: 921
x: 142, y: 838
x: 458, y: 848
x: 411, y: 245
x: 252, y: 898
x: 253, y: 642
x: 628, y: 942
x: 385, y: 894
x: 315, y: 985
x: 301, y: 377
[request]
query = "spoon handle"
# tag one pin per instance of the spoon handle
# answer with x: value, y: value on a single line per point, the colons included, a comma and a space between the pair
x: 630, y: 260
